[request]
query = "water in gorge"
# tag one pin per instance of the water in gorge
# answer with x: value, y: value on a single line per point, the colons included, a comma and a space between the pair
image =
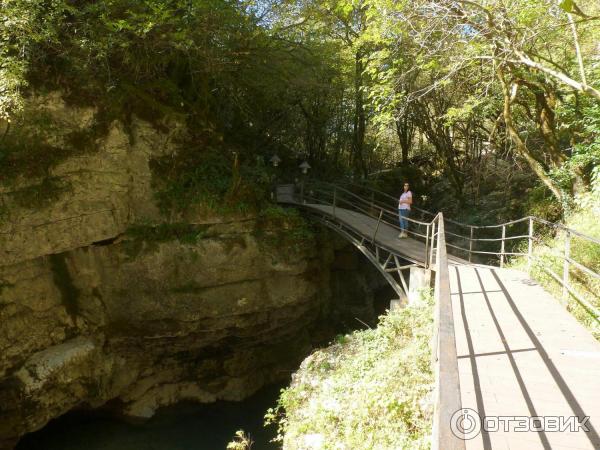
x: 180, y: 427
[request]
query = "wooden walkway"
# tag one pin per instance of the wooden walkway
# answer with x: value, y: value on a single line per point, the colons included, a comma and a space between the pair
x: 520, y: 353
x: 386, y: 236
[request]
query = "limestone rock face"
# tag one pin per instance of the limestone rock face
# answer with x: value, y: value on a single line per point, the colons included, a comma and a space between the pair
x: 94, y: 316
x: 102, y: 184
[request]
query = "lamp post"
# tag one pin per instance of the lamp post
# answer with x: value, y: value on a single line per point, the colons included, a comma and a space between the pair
x: 275, y: 160
x: 304, y: 167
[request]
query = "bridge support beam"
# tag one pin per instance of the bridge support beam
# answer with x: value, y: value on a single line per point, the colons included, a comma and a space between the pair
x: 420, y: 279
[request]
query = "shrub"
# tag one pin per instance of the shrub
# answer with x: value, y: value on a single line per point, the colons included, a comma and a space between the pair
x: 370, y: 390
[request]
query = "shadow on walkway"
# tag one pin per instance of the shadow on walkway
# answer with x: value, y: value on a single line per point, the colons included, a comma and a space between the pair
x: 563, y: 387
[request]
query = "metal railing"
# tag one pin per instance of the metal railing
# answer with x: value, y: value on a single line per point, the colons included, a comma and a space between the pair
x: 339, y: 197
x: 517, y: 238
x: 486, y: 243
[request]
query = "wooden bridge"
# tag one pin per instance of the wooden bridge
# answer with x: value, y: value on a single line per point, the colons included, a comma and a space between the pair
x: 514, y: 369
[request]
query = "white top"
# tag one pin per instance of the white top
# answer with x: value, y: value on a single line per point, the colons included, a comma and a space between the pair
x: 405, y: 196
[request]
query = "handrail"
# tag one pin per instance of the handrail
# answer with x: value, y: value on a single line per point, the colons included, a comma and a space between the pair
x: 391, y: 197
x: 334, y: 196
x: 568, y: 261
x: 340, y: 201
x: 361, y: 199
x: 567, y: 229
x: 447, y: 382
x: 338, y: 195
x: 591, y: 309
x: 466, y: 225
x: 467, y: 245
x: 366, y: 206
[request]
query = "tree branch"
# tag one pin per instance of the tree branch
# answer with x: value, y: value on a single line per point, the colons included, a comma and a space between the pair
x: 524, y: 59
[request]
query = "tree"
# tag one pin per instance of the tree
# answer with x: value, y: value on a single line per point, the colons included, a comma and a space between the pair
x: 514, y: 51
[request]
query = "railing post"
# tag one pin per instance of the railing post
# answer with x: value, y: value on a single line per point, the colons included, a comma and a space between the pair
x: 334, y: 200
x: 432, y: 243
x: 567, y: 255
x: 377, y: 227
x: 427, y: 247
x: 471, y: 244
x: 502, y: 247
x: 530, y: 245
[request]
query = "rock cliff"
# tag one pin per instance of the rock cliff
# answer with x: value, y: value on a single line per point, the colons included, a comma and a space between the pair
x: 104, y: 304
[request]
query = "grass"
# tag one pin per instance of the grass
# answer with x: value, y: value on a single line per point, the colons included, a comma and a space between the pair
x: 584, y: 252
x: 371, y: 389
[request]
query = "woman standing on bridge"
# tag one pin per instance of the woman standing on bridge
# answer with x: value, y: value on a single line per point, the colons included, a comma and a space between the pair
x: 404, y: 210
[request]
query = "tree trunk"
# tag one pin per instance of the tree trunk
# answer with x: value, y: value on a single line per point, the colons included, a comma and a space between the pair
x: 439, y: 135
x: 405, y: 130
x: 545, y: 102
x: 520, y: 146
x: 359, y: 117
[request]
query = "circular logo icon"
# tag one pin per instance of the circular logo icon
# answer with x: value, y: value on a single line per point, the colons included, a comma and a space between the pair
x: 465, y: 424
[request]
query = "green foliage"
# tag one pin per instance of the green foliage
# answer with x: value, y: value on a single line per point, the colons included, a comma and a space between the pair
x: 541, y: 203
x: 566, y: 5
x: 211, y: 179
x: 24, y: 25
x: 444, y: 75
x: 581, y: 169
x: 279, y: 228
x: 209, y: 63
x: 464, y: 112
x: 241, y: 441
x: 340, y: 83
x: 370, y: 390
x: 590, y: 201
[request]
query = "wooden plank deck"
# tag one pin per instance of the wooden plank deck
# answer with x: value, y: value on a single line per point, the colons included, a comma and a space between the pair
x: 520, y: 353
x: 386, y: 237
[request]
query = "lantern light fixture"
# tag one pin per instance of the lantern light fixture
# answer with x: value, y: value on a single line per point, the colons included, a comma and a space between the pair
x: 275, y: 160
x: 304, y: 166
